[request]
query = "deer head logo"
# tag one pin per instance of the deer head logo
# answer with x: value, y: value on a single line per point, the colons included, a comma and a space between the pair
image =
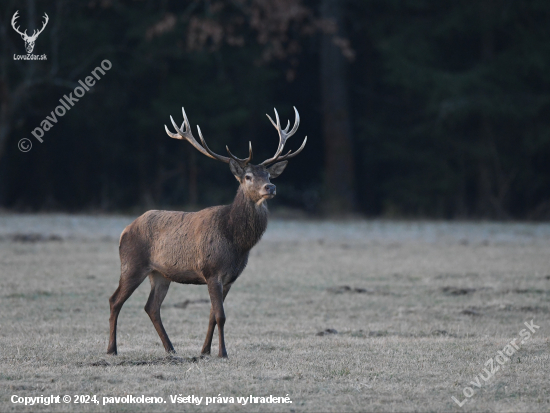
x: 29, y: 40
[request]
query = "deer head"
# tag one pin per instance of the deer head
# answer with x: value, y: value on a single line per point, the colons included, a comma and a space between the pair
x: 29, y: 40
x: 254, y: 179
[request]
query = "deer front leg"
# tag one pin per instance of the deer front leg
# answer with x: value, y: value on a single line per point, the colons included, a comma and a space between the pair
x: 212, y: 324
x: 217, y: 316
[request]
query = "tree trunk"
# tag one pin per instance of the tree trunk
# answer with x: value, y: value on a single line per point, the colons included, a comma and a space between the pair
x: 493, y: 181
x: 339, y: 165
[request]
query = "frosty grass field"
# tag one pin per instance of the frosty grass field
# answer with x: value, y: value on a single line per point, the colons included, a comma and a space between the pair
x: 339, y: 316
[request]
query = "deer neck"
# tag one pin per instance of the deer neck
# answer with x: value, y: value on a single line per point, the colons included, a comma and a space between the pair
x: 247, y: 221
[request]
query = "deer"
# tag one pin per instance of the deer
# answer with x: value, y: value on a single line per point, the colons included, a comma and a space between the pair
x: 209, y: 247
x: 29, y: 40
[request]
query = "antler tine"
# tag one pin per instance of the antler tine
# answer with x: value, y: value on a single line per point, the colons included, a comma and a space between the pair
x: 273, y: 123
x: 287, y: 125
x: 36, y: 32
x: 210, y: 152
x: 282, y: 139
x: 293, y: 154
x: 296, y: 123
x: 185, y: 133
x: 13, y: 23
x: 181, y: 132
x: 284, y: 134
x: 185, y: 120
x: 277, y: 117
x: 242, y: 162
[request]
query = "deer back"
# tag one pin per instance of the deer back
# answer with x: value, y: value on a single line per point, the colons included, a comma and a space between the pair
x: 188, y: 247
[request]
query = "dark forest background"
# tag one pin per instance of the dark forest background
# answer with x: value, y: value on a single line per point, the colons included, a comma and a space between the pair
x: 412, y: 108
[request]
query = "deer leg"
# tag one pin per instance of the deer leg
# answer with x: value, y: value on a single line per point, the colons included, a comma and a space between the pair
x: 211, y: 324
x: 215, y: 289
x: 159, y: 288
x: 128, y: 283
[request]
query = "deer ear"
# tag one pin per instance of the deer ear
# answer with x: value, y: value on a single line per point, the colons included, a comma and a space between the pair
x: 277, y: 169
x: 236, y: 170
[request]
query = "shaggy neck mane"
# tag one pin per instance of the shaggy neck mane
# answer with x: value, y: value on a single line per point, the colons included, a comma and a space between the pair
x: 246, y: 221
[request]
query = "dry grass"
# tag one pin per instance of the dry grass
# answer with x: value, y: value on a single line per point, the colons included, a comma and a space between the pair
x: 418, y: 308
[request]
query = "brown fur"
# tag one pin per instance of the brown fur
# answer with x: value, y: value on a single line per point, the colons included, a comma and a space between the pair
x: 210, y: 247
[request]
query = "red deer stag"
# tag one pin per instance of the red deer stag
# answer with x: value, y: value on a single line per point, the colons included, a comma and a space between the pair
x: 209, y: 247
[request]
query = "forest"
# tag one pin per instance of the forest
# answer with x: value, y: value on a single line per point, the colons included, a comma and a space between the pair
x: 412, y: 108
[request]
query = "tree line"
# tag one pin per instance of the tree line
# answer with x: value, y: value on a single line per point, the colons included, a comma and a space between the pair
x: 413, y: 108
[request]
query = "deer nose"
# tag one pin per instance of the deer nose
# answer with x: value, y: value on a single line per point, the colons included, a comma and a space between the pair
x: 270, y: 189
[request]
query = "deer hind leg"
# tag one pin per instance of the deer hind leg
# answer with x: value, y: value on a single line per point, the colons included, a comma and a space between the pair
x: 159, y: 288
x: 217, y: 317
x: 129, y: 281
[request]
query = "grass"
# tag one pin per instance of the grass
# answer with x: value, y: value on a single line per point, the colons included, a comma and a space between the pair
x: 408, y: 320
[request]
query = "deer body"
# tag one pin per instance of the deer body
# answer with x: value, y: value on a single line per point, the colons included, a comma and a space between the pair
x: 189, y: 247
x: 209, y: 247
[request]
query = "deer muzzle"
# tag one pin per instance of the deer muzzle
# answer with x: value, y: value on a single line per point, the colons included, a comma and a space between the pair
x: 268, y: 191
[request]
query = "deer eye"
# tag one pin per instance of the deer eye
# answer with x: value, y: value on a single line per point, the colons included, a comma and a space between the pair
x: 248, y: 177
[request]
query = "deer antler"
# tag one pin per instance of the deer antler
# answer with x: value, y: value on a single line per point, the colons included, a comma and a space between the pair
x: 37, y: 32
x: 13, y: 19
x: 242, y: 162
x: 185, y: 133
x: 284, y: 134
